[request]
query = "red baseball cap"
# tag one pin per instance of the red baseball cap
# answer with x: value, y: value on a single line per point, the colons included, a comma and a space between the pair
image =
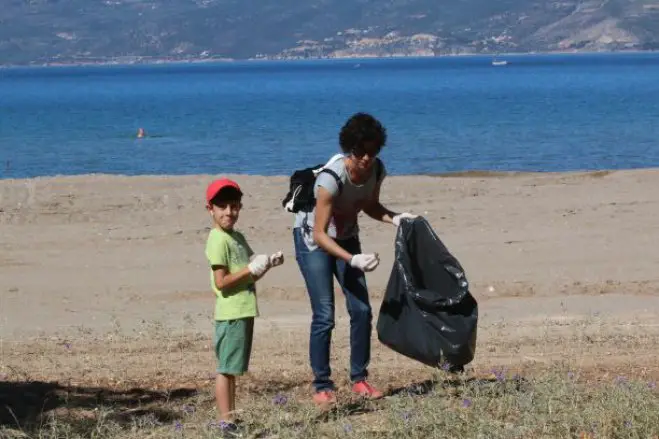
x: 217, y: 185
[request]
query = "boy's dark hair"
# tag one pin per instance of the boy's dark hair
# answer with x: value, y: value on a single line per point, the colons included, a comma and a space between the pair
x: 227, y: 195
x: 361, y: 128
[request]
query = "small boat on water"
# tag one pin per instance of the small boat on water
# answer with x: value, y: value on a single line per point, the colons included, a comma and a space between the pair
x: 499, y: 62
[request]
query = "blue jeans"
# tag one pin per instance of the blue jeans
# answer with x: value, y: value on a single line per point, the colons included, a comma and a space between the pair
x: 318, y: 269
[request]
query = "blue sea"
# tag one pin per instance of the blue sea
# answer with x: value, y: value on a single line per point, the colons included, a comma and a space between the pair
x: 446, y: 114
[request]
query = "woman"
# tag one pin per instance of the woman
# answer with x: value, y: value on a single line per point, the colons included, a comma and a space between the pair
x: 327, y: 245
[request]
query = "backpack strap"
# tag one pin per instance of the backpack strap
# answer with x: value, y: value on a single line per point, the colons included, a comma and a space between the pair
x: 324, y: 168
x: 378, y: 171
x: 334, y: 158
x: 339, y: 183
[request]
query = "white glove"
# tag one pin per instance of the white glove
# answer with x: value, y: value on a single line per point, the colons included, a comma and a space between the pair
x: 277, y: 259
x: 397, y: 218
x: 365, y: 262
x: 259, y: 265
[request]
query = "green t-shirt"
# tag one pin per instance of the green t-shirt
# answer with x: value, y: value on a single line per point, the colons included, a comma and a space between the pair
x: 230, y: 250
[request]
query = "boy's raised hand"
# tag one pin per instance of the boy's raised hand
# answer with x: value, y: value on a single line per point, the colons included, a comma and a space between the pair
x: 259, y: 265
x: 277, y: 259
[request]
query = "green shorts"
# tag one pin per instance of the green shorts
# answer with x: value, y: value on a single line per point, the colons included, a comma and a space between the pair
x: 233, y: 345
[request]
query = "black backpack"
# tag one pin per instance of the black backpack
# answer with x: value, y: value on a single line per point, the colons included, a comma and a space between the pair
x: 300, y: 196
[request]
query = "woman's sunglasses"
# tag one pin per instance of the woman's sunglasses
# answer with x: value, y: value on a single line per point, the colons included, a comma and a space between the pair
x: 360, y: 151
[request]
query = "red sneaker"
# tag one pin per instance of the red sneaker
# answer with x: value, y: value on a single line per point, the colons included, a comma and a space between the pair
x: 324, y: 397
x: 364, y: 389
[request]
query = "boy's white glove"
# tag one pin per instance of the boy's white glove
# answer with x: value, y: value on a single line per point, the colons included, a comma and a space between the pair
x: 277, y: 259
x: 365, y: 262
x: 396, y: 220
x: 259, y: 265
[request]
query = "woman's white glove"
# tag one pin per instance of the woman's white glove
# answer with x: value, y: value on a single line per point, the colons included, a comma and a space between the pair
x: 277, y: 259
x: 396, y: 220
x: 365, y: 262
x: 259, y: 265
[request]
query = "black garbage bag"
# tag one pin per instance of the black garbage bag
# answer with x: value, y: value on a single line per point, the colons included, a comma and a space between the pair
x: 428, y: 313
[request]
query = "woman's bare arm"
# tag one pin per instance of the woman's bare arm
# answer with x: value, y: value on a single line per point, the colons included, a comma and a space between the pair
x: 323, y: 213
x: 376, y: 210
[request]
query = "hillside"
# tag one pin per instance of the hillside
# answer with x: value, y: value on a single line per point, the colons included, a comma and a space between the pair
x: 47, y: 31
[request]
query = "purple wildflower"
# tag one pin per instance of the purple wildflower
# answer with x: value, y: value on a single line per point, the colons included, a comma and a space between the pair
x: 189, y: 409
x: 446, y: 367
x: 407, y: 416
x: 226, y: 426
x: 347, y: 428
x: 67, y: 345
x: 178, y: 426
x: 652, y: 385
x: 570, y: 375
x: 620, y: 379
x: 499, y: 374
x: 628, y: 424
x: 280, y: 400
x: 466, y: 403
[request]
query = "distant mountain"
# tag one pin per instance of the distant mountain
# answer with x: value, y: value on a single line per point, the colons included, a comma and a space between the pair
x: 65, y: 31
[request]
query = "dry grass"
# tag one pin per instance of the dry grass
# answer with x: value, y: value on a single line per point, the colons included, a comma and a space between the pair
x: 155, y: 384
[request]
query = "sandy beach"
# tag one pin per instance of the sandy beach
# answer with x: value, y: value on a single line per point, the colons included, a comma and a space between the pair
x: 112, y: 270
x: 97, y: 251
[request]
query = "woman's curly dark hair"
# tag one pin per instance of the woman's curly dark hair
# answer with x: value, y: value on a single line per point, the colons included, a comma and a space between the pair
x: 360, y: 129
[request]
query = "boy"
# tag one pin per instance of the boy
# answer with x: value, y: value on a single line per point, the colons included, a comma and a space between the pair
x: 233, y: 279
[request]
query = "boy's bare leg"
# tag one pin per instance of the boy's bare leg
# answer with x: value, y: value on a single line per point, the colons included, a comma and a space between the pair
x: 224, y: 396
x: 232, y: 399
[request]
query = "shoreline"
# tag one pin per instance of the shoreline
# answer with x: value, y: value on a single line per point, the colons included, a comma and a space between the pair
x: 472, y: 173
x: 164, y: 62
